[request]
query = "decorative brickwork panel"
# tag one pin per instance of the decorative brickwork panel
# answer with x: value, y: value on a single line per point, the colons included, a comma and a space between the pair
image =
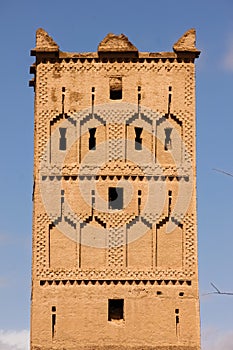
x: 116, y: 242
x: 116, y: 142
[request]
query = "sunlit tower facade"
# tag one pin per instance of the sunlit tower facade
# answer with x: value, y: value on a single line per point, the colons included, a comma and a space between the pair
x: 114, y: 261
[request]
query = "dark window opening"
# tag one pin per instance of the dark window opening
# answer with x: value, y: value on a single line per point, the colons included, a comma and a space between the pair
x: 138, y: 139
x: 177, y: 311
x: 93, y: 198
x: 115, y: 309
x: 115, y: 198
x: 92, y: 139
x: 53, y: 324
x: 63, y: 98
x: 62, y: 141
x: 168, y: 141
x: 92, y: 94
x: 62, y: 196
x: 169, y: 98
x: 139, y: 201
x: 177, y: 316
x: 169, y: 201
x: 53, y: 320
x: 115, y: 94
x: 115, y: 85
x: 92, y: 99
x: 139, y: 94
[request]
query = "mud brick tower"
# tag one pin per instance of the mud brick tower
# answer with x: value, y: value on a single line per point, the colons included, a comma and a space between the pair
x: 114, y: 223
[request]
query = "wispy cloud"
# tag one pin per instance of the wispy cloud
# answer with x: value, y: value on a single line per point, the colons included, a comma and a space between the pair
x: 14, y: 340
x: 228, y: 58
x: 213, y: 339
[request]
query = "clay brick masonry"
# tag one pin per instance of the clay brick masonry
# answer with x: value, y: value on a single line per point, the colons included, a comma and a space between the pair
x: 114, y: 262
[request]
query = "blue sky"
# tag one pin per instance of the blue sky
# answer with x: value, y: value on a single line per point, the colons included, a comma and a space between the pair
x: 151, y: 26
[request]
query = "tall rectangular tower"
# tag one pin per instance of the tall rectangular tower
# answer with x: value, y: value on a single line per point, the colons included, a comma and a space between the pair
x: 114, y: 222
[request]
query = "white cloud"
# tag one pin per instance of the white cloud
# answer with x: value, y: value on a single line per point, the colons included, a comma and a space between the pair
x: 213, y: 339
x: 14, y: 340
x: 228, y: 59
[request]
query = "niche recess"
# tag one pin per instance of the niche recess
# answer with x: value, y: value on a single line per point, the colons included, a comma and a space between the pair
x: 115, y: 309
x: 115, y: 88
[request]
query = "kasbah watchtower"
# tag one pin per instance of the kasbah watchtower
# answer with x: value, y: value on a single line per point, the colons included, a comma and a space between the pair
x: 114, y: 222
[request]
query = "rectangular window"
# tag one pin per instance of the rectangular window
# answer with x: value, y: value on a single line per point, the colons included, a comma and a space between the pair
x: 115, y: 86
x: 169, y: 201
x: 92, y: 139
x: 177, y: 321
x: 138, y: 139
x: 115, y: 198
x: 62, y: 141
x: 53, y: 320
x: 115, y: 309
x: 168, y: 141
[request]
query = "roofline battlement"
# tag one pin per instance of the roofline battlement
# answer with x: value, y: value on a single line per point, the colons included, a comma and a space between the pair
x: 115, y: 46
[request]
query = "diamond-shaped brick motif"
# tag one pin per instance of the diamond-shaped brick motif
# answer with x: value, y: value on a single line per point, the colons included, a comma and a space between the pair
x: 189, y: 243
x: 116, y: 141
x: 116, y: 248
x: 40, y: 237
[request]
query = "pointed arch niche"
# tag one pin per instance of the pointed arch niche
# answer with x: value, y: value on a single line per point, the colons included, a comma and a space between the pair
x: 139, y: 243
x: 139, y: 139
x: 93, y: 239
x: 62, y: 250
x: 169, y: 246
x: 62, y: 140
x: 92, y: 140
x: 168, y: 143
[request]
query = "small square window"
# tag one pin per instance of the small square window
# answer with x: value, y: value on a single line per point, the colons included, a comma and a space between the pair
x: 115, y: 309
x: 115, y: 198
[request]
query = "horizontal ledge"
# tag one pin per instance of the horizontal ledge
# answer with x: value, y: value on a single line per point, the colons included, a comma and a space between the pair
x: 115, y: 177
x: 115, y: 282
x: 58, y: 57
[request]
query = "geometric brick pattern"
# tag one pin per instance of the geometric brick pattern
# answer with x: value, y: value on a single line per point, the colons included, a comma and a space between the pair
x: 88, y: 249
x: 116, y: 248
